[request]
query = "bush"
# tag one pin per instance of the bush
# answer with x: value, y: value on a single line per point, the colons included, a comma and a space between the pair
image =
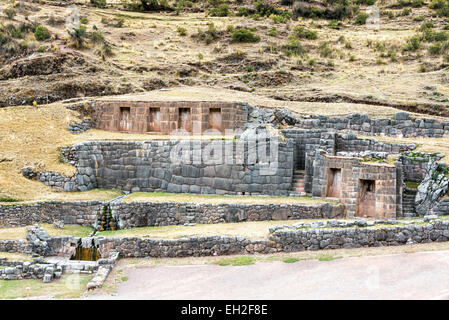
x: 435, y: 49
x: 221, y: 11
x: 406, y: 11
x: 41, y: 33
x: 97, y: 37
x: 244, y: 35
x: 10, y: 13
x: 182, y: 31
x: 78, y: 35
x: 302, y: 33
x: 273, y: 32
x: 293, y: 48
x: 243, y: 11
x: 98, y: 3
x: 84, y: 20
x: 437, y: 4
x: 155, y: 5
x: 361, y: 18
x: 413, y: 44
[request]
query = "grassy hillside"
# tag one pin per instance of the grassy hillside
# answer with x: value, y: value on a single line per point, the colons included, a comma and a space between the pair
x: 301, y: 51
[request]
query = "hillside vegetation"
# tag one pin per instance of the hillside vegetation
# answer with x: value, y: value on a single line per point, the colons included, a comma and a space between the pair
x: 288, y: 50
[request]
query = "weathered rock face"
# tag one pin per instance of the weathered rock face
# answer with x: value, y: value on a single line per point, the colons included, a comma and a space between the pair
x: 38, y: 241
x: 434, y: 186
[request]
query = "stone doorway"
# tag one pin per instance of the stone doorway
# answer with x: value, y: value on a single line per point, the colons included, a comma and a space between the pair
x: 185, y: 119
x: 215, y: 119
x: 154, y: 120
x: 366, y: 202
x: 125, y: 119
x: 334, y: 183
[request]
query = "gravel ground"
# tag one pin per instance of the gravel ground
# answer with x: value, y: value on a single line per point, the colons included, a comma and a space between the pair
x: 422, y: 275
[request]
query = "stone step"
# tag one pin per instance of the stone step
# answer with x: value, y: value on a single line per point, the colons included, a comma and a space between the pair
x: 297, y: 194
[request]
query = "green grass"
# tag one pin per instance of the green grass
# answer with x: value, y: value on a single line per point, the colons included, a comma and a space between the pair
x: 61, y: 288
x: 290, y: 260
x: 411, y: 184
x: 237, y: 261
x: 327, y: 257
x: 124, y: 278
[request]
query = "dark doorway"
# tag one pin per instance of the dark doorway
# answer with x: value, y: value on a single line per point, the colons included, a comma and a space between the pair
x: 154, y: 120
x: 215, y: 119
x: 366, y: 204
x: 334, y: 183
x: 185, y: 119
x: 125, y: 119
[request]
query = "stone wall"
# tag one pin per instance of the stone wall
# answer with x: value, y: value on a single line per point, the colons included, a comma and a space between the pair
x: 77, y: 212
x: 400, y: 126
x: 149, y: 166
x: 279, y: 241
x: 161, y: 213
x: 442, y: 207
x: 414, y: 164
x: 168, y: 116
x: 137, y: 214
x: 350, y: 143
x: 317, y: 239
x: 13, y: 246
x: 344, y: 178
x: 306, y: 140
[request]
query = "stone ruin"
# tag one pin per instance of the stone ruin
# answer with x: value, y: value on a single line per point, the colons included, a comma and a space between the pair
x: 312, y: 156
x: 317, y: 156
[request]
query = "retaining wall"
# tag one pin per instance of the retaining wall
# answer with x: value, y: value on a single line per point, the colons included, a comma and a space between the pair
x: 136, y: 214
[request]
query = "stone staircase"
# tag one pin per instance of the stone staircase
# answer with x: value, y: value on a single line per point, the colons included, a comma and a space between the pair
x: 408, y: 202
x: 298, y: 184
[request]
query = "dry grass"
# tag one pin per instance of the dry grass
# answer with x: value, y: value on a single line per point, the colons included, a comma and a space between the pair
x: 15, y: 256
x: 216, y: 199
x: 251, y: 230
x: 431, y: 145
x: 31, y: 136
x: 69, y: 230
x: 69, y: 286
x: 184, y: 93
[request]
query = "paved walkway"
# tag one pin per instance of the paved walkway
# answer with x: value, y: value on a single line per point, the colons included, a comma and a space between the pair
x: 423, y: 275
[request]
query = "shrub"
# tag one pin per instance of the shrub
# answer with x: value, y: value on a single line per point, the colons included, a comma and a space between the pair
x: 243, y: 11
x: 437, y: 4
x: 10, y: 13
x: 155, y: 5
x: 293, y: 48
x: 41, y: 33
x: 412, y: 44
x: 425, y: 26
x: 419, y: 18
x: 406, y: 11
x: 97, y: 37
x: 435, y: 49
x: 244, y: 35
x: 273, y: 32
x: 84, y: 20
x: 361, y: 18
x: 98, y: 3
x: 302, y: 33
x: 221, y: 11
x: 182, y: 31
x: 446, y: 27
x: 78, y: 35
x: 325, y: 50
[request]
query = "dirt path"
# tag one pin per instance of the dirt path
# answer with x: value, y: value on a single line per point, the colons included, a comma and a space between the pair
x: 421, y: 275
